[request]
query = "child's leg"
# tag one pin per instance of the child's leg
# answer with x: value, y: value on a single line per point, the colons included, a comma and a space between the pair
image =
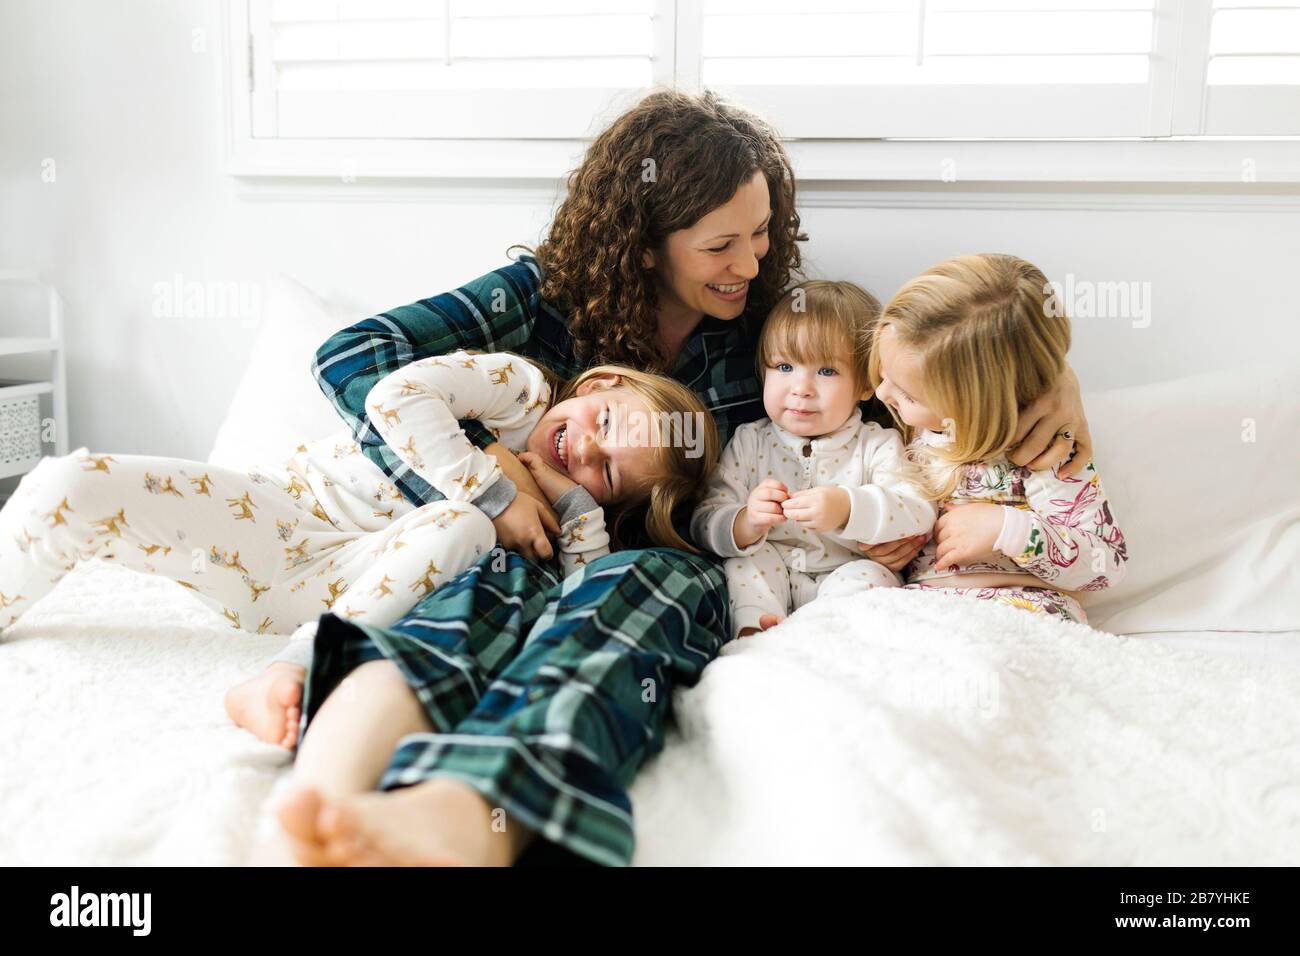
x: 216, y: 531
x: 344, y: 751
x: 377, y: 579
x: 757, y: 586
x: 1037, y: 600
x: 409, y: 561
x: 385, y: 573
x: 1041, y: 601
x: 855, y: 577
x: 353, y: 735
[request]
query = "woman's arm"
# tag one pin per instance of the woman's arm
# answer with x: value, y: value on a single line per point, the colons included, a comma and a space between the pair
x: 495, y: 312
x: 1038, y: 443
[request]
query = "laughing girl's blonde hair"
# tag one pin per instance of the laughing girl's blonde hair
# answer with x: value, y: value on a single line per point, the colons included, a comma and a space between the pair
x: 992, y: 338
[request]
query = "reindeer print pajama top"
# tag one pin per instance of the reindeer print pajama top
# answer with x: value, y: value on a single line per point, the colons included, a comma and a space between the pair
x: 273, y: 548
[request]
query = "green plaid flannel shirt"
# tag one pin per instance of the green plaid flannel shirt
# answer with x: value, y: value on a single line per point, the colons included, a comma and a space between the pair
x: 504, y: 311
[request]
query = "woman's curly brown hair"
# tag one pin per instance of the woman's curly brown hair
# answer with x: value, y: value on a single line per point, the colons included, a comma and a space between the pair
x: 703, y: 150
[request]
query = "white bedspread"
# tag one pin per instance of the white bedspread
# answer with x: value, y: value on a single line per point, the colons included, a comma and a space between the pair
x: 905, y: 728
x: 116, y: 748
x: 891, y: 728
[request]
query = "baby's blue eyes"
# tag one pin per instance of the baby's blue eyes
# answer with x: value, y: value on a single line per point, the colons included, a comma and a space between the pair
x: 787, y: 368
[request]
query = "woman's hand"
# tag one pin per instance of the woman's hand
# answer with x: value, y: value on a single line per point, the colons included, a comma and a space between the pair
x: 1039, y: 443
x: 551, y: 481
x: 966, y: 533
x: 524, y: 525
x: 895, y: 555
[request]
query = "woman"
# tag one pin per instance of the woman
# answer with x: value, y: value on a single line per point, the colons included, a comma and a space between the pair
x: 520, y: 706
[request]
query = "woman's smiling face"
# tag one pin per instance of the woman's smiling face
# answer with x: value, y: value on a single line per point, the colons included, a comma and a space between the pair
x: 706, y: 269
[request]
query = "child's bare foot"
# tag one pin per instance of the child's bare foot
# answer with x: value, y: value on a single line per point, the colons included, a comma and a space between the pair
x: 441, y: 822
x: 269, y: 704
x: 765, y: 622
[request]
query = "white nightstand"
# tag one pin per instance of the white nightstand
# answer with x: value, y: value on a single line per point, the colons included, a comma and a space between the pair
x: 21, y: 425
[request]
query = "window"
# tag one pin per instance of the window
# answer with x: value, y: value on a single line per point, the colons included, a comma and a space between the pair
x: 1252, y: 77
x: 944, y: 68
x: 394, y: 84
x: 447, y: 69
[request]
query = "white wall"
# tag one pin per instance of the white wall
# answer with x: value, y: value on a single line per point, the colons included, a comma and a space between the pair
x: 114, y: 94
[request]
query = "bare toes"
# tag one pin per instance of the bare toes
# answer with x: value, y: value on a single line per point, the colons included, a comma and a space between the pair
x: 287, y: 692
x: 341, y: 837
x: 290, y: 740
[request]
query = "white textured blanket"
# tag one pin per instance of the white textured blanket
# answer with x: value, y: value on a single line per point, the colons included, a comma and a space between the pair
x: 899, y: 727
x: 116, y: 748
x: 895, y: 727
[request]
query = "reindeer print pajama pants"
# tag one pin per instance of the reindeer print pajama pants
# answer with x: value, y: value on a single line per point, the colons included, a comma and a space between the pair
x: 255, y: 546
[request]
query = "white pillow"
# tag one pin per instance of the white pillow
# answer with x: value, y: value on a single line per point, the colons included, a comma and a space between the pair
x: 1211, y: 517
x: 278, y: 403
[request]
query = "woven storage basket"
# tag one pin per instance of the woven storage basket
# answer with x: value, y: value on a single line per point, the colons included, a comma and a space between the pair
x: 20, y: 430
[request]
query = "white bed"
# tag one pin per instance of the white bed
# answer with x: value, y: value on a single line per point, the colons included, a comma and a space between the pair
x: 893, y: 727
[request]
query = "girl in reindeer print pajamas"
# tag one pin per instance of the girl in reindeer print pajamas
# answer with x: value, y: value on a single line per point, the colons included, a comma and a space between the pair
x: 274, y: 548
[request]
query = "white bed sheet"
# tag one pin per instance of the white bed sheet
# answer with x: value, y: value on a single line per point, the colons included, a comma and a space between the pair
x: 117, y: 749
x: 1281, y: 647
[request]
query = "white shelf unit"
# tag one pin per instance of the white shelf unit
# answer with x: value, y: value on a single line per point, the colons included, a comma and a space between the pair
x: 21, y: 431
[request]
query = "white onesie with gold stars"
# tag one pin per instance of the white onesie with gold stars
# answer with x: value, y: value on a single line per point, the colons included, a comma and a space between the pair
x: 791, y: 565
x: 273, y: 548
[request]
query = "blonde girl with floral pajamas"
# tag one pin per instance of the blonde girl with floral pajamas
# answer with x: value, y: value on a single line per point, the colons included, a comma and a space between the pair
x: 272, y: 549
x: 796, y: 492
x: 959, y: 352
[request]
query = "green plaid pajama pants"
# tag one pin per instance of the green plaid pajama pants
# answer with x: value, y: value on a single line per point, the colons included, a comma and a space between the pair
x: 547, y: 696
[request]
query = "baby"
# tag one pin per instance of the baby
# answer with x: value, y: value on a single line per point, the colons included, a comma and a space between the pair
x: 795, y: 493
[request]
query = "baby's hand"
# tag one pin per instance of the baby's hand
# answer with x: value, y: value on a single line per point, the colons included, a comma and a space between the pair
x: 764, y: 503
x: 553, y: 483
x: 824, y: 508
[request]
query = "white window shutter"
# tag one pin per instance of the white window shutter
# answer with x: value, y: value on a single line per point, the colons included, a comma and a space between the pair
x: 1253, y: 71
x: 450, y: 69
x: 939, y: 68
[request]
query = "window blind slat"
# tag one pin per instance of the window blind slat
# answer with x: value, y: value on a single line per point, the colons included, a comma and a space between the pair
x: 1019, y: 68
x: 1253, y: 74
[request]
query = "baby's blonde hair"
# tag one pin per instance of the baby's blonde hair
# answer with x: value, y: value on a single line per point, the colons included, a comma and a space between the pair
x: 679, y: 479
x: 821, y: 321
x: 991, y: 338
